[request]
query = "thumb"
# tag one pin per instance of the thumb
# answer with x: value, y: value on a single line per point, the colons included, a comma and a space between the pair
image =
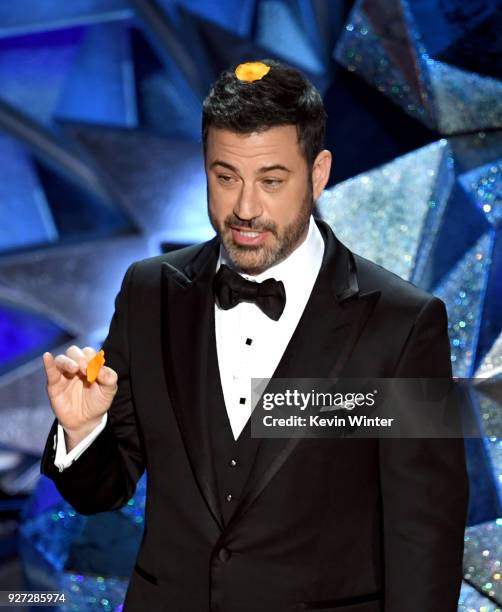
x: 107, y: 377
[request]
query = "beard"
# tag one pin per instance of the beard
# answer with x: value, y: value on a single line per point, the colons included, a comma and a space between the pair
x: 254, y: 259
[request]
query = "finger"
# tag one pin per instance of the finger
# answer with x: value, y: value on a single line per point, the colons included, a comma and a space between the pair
x: 75, y: 353
x: 89, y: 352
x: 51, y: 370
x: 107, y: 377
x: 65, y: 364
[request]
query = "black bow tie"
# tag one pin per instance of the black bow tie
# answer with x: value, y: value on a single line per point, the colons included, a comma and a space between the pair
x: 231, y: 288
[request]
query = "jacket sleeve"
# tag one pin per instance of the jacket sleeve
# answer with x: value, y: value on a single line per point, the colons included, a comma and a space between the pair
x: 424, y: 490
x: 104, y: 477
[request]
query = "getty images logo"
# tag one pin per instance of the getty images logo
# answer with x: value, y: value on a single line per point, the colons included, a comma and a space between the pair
x: 325, y: 400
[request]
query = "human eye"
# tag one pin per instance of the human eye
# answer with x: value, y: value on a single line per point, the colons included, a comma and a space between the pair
x: 272, y: 182
x: 225, y: 179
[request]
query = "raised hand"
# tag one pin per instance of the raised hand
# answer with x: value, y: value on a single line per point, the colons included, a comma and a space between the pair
x: 78, y: 404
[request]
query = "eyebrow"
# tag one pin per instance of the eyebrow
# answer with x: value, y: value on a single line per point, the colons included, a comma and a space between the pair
x: 261, y: 170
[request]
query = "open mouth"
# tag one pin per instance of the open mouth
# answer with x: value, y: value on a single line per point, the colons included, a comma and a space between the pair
x: 248, y: 237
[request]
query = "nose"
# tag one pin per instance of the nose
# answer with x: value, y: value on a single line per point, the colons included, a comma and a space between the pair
x: 247, y: 206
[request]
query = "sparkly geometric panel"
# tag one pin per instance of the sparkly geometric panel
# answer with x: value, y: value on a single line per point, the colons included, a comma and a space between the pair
x: 464, y: 101
x: 168, y: 107
x: 463, y: 292
x: 491, y: 327
x: 483, y: 559
x: 386, y: 214
x: 488, y: 393
x: 425, y: 217
x: 19, y: 472
x: 236, y: 17
x: 90, y: 592
x: 34, y: 15
x: 161, y: 180
x: 485, y: 185
x: 492, y: 362
x: 375, y: 45
x: 24, y: 412
x: 462, y: 33
x: 26, y: 217
x: 493, y: 444
x: 477, y: 149
x: 168, y: 103
x: 103, y: 67
x: 74, y: 275
x: 408, y: 215
x: 488, y: 399
x: 471, y: 600
x: 384, y: 44
x: 24, y: 334
x: 33, y: 69
x: 25, y: 427
x: 81, y: 205
x: 26, y: 417
x: 279, y: 31
x: 90, y: 558
x: 101, y: 164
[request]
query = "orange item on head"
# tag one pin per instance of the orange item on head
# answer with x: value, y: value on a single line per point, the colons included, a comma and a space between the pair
x: 251, y: 71
x: 94, y: 366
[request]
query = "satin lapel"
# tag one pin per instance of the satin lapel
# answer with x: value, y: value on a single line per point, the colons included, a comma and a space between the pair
x: 328, y: 331
x: 186, y: 311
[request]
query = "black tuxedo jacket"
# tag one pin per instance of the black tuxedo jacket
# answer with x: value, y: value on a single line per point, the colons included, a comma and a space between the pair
x: 345, y: 525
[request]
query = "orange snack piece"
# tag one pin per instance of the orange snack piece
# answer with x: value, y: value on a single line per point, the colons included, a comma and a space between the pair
x: 251, y: 71
x: 94, y: 366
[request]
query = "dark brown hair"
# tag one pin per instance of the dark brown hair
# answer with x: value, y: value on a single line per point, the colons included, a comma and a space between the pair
x: 282, y: 97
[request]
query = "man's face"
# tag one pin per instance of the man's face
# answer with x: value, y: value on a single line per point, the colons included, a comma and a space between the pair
x: 259, y: 194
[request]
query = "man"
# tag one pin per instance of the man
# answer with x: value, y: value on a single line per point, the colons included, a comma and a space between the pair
x: 241, y: 524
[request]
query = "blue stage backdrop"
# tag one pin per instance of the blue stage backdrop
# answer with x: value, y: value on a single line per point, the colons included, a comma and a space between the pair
x: 100, y: 165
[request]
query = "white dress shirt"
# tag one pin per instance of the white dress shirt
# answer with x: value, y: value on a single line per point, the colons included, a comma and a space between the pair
x: 249, y: 344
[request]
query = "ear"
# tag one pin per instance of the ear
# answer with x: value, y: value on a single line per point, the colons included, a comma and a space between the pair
x: 320, y: 172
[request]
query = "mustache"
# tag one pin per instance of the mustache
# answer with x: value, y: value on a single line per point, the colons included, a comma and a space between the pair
x: 251, y: 224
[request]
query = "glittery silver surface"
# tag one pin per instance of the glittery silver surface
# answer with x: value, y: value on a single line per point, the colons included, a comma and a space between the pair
x: 85, y: 593
x: 485, y: 186
x: 494, y: 448
x: 74, y: 286
x: 464, y: 100
x: 135, y: 507
x: 26, y: 217
x: 463, y: 292
x: 52, y: 532
x: 386, y: 48
x: 492, y: 362
x: 58, y: 533
x: 387, y: 62
x: 33, y: 75
x: 471, y: 600
x: 392, y: 215
x: 488, y: 393
x: 277, y: 29
x: 26, y: 16
x: 383, y: 214
x: 472, y: 151
x: 25, y: 411
x: 483, y: 558
x: 161, y: 180
x: 26, y: 427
